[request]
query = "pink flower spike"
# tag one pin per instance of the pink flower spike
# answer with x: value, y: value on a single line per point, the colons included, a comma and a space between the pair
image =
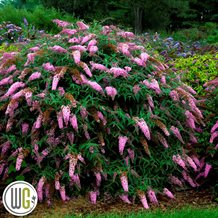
x: 83, y: 112
x: 174, y: 180
x: 92, y: 50
x: 66, y: 114
x: 176, y: 132
x: 215, y: 126
x: 48, y: 67
x: 13, y: 88
x: 34, y: 49
x: 34, y: 76
x: 93, y: 196
x: 19, y: 161
x: 76, y: 56
x: 117, y: 71
x: 190, y: 119
x: 174, y: 95
x: 38, y: 122
x: 144, y: 56
x: 86, y: 38
x: 196, y: 160
x: 155, y: 86
x: 98, y: 179
x: 139, y: 62
x: 96, y: 66
x: 82, y: 26
x: 61, y: 23
x: 57, y: 183
x: 28, y: 97
x: 124, y: 182
x: 74, y: 40
x: 188, y: 179
x: 93, y: 42
x: 25, y: 127
x: 122, y: 143
x: 70, y: 136
x: 69, y: 32
x: 124, y: 48
x: 191, y: 163
x: 80, y: 48
x: 213, y: 136
x: 168, y: 193
x: 125, y: 199
x: 60, y: 120
x: 40, y: 188
x: 208, y: 167
x: 150, y: 101
x: 55, y: 81
x: 73, y: 121
x: 95, y: 86
x: 131, y: 154
x: 178, y: 160
x: 85, y: 129
x: 6, y: 81
x: 12, y: 106
x: 102, y: 118
x: 136, y: 89
x: 111, y: 91
x: 144, y: 128
x: 86, y: 69
x: 127, y: 68
x: 143, y: 200
x: 30, y: 59
x: 163, y: 80
x: 2, y: 166
x: 76, y: 180
x: 152, y: 196
x: 5, y: 147
x: 126, y: 160
x: 63, y: 193
x: 80, y: 158
x: 58, y: 49
x: 72, y: 164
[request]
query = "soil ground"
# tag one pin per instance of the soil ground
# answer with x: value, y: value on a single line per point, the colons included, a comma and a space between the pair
x: 81, y: 206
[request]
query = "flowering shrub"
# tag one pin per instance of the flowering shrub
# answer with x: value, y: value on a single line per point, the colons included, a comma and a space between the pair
x: 10, y: 32
x: 209, y: 104
x: 89, y: 110
x: 169, y: 49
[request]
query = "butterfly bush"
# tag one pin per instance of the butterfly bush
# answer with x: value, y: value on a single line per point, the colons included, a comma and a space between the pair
x: 90, y: 110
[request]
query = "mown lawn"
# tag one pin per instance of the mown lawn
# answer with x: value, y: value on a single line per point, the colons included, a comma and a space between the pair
x: 181, y: 213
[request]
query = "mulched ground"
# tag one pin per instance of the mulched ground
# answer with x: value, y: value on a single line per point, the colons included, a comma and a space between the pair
x: 81, y: 206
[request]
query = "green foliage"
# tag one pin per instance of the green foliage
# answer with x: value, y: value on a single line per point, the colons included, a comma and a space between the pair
x: 197, y: 70
x: 206, y: 33
x: 7, y: 48
x: 38, y: 16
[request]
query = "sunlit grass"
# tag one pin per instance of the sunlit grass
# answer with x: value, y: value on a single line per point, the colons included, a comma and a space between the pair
x: 180, y: 213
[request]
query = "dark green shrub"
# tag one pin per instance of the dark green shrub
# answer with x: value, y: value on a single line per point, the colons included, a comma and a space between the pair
x: 39, y: 17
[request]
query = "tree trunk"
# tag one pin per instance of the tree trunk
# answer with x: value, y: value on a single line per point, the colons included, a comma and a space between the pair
x: 138, y: 19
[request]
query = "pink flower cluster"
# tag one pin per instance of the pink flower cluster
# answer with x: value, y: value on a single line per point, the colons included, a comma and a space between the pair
x: 122, y: 142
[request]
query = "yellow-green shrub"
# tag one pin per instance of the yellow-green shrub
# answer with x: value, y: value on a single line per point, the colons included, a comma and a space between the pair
x: 197, y: 70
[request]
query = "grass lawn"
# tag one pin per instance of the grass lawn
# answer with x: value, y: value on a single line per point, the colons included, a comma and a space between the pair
x: 188, y: 212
